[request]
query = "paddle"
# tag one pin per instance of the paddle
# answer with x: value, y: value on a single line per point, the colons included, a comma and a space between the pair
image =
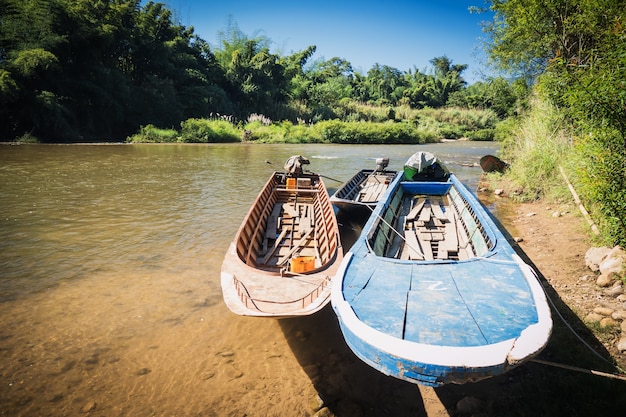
x: 309, y: 172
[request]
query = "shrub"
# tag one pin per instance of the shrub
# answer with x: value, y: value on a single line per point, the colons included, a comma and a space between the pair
x: 450, y: 132
x: 335, y: 131
x: 209, y: 131
x: 599, y: 172
x: 153, y: 134
x: 481, y: 135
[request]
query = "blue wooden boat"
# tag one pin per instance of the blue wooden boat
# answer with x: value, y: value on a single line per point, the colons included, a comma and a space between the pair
x: 433, y: 293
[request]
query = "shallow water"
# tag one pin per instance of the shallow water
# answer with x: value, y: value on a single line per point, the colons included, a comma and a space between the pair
x: 109, y: 267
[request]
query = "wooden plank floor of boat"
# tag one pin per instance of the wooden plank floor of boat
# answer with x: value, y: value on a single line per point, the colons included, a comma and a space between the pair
x: 289, y: 233
x: 431, y: 231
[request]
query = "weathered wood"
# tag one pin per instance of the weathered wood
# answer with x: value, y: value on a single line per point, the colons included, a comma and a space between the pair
x: 279, y: 239
x: 289, y: 209
x: 273, y: 222
x: 425, y: 214
x: 425, y: 244
x: 416, y: 209
x: 305, y: 221
x: 412, y: 246
x: 436, y: 236
x: 424, y: 235
x: 295, y: 247
x: 451, y: 242
x: 437, y: 211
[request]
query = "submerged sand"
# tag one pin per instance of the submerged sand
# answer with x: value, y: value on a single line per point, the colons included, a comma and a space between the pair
x: 164, y: 344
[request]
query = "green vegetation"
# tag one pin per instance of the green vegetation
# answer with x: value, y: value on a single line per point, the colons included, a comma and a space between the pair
x: 574, y: 55
x: 418, y: 126
x: 83, y: 70
x: 536, y: 144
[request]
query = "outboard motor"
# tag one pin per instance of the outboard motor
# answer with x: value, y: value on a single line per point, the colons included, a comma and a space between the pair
x: 381, y: 163
x: 294, y: 164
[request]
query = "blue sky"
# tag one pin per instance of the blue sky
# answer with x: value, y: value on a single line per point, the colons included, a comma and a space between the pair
x: 403, y: 34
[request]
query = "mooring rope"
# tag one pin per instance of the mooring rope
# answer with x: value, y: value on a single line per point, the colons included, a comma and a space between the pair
x: 621, y: 376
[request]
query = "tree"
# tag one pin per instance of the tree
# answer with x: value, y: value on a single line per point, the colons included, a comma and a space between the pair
x: 526, y: 35
x: 29, y: 67
x: 574, y: 53
x: 256, y: 78
x: 504, y: 97
x: 383, y: 85
x: 83, y: 69
x: 446, y: 80
x: 330, y: 81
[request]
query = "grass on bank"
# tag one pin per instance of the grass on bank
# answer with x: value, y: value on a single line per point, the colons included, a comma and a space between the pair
x: 361, y: 124
x: 534, y: 146
x: 542, y: 142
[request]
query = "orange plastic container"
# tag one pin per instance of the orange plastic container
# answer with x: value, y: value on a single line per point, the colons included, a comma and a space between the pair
x: 302, y: 264
x: 291, y: 183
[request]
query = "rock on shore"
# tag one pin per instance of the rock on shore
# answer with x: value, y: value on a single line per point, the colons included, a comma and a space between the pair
x: 609, y: 263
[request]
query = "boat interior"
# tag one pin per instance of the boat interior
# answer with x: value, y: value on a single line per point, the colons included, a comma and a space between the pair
x: 367, y: 187
x: 292, y: 228
x: 428, y: 221
x: 374, y: 187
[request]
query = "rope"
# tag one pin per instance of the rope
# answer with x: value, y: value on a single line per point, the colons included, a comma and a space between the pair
x: 417, y: 250
x: 591, y: 349
x: 621, y: 377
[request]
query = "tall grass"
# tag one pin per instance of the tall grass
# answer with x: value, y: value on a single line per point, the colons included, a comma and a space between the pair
x: 535, y: 148
x: 539, y: 143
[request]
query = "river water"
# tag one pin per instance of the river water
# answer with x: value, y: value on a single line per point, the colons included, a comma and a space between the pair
x: 109, y: 269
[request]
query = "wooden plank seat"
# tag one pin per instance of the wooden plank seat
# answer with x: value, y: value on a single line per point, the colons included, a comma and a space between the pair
x: 431, y: 230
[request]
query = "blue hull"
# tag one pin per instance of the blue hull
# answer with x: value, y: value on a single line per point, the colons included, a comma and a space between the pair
x: 473, y: 312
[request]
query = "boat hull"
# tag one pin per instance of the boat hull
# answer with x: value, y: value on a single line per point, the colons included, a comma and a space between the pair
x: 286, y: 251
x: 436, y: 321
x: 491, y: 163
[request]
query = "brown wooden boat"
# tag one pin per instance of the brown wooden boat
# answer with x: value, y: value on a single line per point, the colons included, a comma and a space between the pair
x: 490, y: 163
x: 286, y: 251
